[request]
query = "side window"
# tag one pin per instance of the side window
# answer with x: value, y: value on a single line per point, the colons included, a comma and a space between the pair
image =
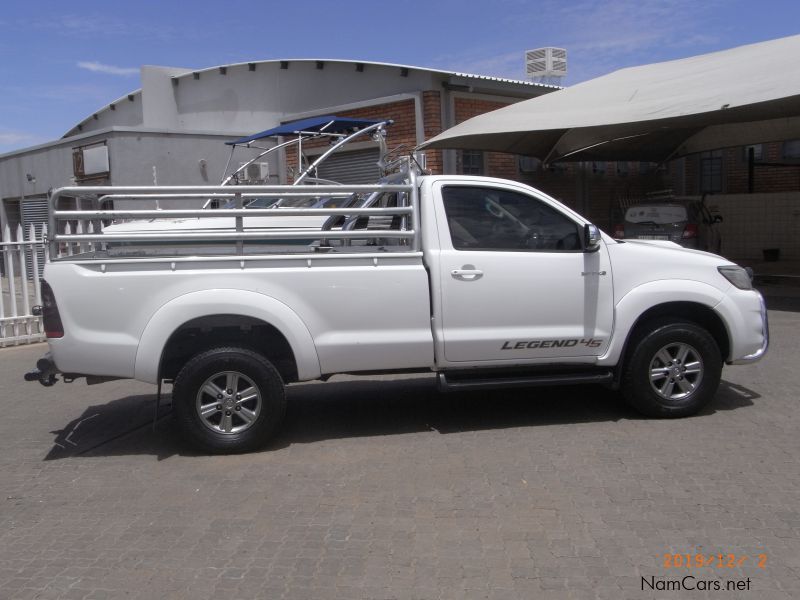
x: 481, y: 218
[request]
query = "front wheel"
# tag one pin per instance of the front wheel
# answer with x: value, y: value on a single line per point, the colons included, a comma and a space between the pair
x: 673, y: 371
x: 228, y: 400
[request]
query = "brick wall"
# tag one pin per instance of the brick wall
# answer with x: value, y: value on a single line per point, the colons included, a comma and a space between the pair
x: 767, y: 179
x: 402, y: 131
x: 497, y: 164
x: 432, y: 115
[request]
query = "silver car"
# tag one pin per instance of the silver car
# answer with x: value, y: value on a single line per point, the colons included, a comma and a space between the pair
x: 685, y: 222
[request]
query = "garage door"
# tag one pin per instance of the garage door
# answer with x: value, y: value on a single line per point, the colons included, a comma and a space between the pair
x: 358, y: 166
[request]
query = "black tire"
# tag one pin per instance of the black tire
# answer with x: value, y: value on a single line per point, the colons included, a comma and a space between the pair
x: 680, y: 386
x: 230, y: 423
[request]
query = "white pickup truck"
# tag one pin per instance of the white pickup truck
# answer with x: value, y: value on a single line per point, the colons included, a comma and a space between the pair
x: 483, y: 281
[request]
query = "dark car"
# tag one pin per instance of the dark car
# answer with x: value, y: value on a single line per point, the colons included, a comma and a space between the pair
x: 687, y: 222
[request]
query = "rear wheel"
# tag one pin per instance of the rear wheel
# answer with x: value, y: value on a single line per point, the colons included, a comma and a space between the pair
x: 229, y: 400
x: 673, y: 371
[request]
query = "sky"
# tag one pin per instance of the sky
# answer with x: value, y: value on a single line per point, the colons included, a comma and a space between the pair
x: 61, y: 61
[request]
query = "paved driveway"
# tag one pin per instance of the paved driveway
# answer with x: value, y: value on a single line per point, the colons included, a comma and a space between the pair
x: 384, y: 489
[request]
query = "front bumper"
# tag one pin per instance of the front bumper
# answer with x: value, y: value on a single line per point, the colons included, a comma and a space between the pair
x: 758, y: 354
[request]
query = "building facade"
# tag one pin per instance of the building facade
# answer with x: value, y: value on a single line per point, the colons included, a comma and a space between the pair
x: 172, y: 130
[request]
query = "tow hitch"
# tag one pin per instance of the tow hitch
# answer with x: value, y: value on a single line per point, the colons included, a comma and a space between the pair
x: 45, y: 371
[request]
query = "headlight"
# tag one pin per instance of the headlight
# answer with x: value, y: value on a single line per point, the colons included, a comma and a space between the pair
x: 738, y: 276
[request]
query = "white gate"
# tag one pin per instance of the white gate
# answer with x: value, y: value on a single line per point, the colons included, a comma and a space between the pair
x: 20, y: 288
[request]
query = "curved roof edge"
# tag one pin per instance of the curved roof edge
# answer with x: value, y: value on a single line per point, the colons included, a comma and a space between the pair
x: 75, y: 129
x: 377, y: 64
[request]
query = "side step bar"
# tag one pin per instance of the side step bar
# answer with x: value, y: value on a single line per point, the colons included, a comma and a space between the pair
x: 457, y: 384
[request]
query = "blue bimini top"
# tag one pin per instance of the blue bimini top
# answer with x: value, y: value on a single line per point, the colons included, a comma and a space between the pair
x: 326, y: 124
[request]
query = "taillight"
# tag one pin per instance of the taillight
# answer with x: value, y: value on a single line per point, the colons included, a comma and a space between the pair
x: 690, y: 231
x: 52, y: 320
x: 619, y: 231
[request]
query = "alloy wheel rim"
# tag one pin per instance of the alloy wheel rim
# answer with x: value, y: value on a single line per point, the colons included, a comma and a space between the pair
x: 676, y: 371
x: 228, y: 402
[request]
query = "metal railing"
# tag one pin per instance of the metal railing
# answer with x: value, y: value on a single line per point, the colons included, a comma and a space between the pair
x: 20, y: 288
x: 75, y: 232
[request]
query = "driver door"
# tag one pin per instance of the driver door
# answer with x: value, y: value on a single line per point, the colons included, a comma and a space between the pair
x: 516, y: 284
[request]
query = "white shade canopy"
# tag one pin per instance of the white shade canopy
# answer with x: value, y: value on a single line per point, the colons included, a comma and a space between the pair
x: 655, y: 112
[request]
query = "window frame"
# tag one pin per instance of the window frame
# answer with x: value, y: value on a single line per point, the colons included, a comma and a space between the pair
x: 790, y: 150
x: 709, y: 159
x: 579, y: 227
x: 478, y: 156
x: 758, y: 152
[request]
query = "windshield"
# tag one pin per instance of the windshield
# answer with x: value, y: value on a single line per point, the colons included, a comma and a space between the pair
x: 660, y: 214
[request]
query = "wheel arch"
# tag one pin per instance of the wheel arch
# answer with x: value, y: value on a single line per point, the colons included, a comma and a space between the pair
x: 691, y: 301
x: 693, y: 312
x: 213, y: 316
x: 222, y: 330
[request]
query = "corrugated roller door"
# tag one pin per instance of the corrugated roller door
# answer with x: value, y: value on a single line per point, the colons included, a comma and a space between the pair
x: 34, y: 212
x: 358, y: 166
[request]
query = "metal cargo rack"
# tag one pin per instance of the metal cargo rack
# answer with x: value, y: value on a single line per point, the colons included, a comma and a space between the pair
x: 82, y: 235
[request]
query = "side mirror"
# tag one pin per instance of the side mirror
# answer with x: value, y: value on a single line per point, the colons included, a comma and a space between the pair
x: 591, y: 238
x: 717, y: 219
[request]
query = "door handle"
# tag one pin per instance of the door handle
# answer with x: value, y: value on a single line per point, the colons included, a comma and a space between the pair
x: 467, y: 274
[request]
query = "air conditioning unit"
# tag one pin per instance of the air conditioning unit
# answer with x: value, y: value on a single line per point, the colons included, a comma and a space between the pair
x: 546, y: 65
x: 257, y: 172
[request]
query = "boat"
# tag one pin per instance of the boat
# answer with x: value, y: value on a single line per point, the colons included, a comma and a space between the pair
x: 288, y: 205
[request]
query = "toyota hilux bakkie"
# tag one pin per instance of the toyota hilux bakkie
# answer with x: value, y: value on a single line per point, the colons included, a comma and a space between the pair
x: 483, y: 281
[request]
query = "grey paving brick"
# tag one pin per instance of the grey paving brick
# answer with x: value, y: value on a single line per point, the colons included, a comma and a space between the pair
x: 383, y: 489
